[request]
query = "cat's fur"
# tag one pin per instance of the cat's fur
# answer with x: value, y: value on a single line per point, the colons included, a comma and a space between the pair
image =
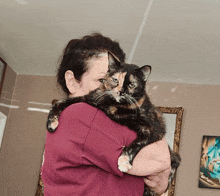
x: 122, y: 97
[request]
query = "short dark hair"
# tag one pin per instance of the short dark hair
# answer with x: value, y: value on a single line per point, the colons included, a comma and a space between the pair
x: 78, y: 51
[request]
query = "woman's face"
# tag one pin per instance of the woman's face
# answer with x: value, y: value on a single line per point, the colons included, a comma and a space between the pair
x: 91, y: 79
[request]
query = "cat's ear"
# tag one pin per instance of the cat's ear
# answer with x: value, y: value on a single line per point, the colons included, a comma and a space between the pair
x: 146, y: 70
x: 114, y: 62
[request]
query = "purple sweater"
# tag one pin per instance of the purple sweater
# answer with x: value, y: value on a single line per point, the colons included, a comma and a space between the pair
x: 81, y: 156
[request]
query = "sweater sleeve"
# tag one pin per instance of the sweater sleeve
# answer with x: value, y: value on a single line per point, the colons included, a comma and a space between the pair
x: 100, y: 150
x: 100, y: 139
x: 104, y: 144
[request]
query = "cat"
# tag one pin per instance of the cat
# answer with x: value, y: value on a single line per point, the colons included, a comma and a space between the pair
x: 123, y: 98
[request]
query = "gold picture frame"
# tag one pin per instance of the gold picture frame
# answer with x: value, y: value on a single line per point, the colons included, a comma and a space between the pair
x: 178, y: 112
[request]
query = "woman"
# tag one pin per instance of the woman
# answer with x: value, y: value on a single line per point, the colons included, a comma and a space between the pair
x: 81, y: 157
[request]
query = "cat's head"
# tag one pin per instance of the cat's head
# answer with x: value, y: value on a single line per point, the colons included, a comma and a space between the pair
x: 125, y: 82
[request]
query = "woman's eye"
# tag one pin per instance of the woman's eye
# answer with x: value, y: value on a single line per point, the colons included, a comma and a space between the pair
x: 101, y: 80
x: 131, y: 85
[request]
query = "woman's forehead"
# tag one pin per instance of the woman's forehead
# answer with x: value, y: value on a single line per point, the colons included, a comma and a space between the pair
x: 98, y: 65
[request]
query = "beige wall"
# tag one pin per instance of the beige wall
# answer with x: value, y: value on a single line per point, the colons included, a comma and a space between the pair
x: 201, y: 105
x: 24, y: 137
x: 8, y: 89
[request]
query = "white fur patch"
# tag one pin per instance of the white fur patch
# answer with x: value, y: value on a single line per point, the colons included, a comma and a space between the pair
x: 123, y: 163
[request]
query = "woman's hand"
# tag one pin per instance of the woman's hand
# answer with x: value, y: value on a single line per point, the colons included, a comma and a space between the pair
x: 158, y: 182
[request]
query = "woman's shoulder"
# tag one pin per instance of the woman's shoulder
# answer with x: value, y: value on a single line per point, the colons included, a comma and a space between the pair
x: 80, y: 107
x: 81, y: 111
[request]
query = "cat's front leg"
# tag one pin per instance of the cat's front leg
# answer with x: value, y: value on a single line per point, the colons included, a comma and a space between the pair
x: 54, y: 114
x: 52, y: 119
x: 126, y: 159
x: 124, y: 162
x: 129, y: 152
x: 57, y: 108
x: 52, y: 123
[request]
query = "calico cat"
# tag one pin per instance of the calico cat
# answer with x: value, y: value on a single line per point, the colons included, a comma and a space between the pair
x: 122, y: 97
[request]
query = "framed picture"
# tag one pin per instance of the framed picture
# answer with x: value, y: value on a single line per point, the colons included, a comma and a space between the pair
x: 209, y: 175
x: 173, y: 120
x: 3, y: 65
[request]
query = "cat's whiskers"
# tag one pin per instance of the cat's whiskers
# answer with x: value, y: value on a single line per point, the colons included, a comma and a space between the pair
x: 133, y: 103
x: 102, y: 96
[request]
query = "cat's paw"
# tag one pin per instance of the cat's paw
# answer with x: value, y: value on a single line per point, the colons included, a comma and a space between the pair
x: 52, y: 123
x: 124, y: 163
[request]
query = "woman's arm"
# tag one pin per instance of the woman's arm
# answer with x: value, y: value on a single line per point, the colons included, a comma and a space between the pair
x: 153, y: 158
x: 153, y: 162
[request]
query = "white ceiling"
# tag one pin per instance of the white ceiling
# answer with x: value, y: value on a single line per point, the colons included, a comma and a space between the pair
x: 179, y: 39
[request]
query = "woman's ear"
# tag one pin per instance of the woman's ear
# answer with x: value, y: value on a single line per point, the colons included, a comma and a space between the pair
x: 71, y: 82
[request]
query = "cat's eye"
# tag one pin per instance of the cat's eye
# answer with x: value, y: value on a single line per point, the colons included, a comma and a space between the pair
x: 131, y: 85
x: 115, y: 80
